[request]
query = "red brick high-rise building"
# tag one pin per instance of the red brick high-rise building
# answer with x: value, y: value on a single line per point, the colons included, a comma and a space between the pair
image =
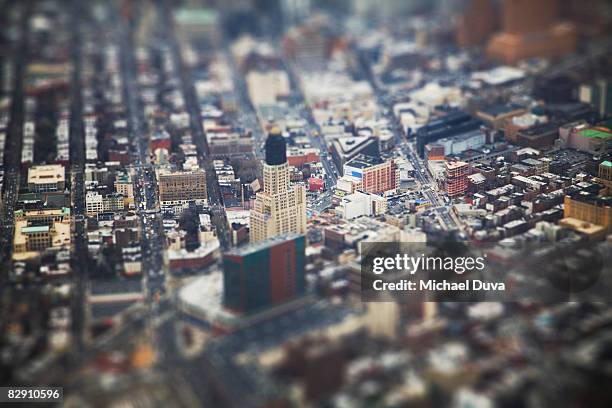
x: 372, y: 174
x: 456, y: 178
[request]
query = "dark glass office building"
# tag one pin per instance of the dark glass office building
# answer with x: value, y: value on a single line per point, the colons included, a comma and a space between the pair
x: 264, y: 274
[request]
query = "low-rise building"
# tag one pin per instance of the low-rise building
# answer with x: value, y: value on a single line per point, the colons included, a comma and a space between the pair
x: 588, y: 207
x: 39, y: 230
x: 221, y: 144
x: 45, y: 178
x: 497, y: 116
x: 539, y: 166
x: 590, y: 139
x: 181, y: 187
x: 267, y: 87
x: 360, y: 204
x: 519, y: 123
x: 96, y: 203
x: 588, y: 229
x: 458, y: 144
x: 350, y: 234
x: 539, y: 136
x: 346, y: 148
x: 203, y: 256
x: 298, y: 156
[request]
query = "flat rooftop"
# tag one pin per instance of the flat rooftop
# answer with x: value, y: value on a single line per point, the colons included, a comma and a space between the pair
x: 582, y: 226
x: 249, y: 249
x: 363, y: 161
x: 455, y: 165
x: 51, y: 173
x: 592, y: 198
x: 501, y: 109
x: 348, y: 144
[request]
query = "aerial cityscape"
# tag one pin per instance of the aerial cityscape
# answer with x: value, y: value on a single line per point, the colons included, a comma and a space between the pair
x: 306, y: 203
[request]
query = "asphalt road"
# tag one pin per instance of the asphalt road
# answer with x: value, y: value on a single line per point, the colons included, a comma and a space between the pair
x: 313, y: 130
x: 215, y: 200
x: 79, y: 257
x: 14, y: 141
x: 145, y: 184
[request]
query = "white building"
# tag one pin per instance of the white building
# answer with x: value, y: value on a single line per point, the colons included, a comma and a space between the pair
x: 359, y: 204
x: 93, y: 203
x: 96, y: 203
x: 459, y: 144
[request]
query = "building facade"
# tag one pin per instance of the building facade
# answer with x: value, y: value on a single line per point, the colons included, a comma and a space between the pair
x: 180, y: 187
x: 96, y: 203
x: 590, y: 208
x: 224, y: 144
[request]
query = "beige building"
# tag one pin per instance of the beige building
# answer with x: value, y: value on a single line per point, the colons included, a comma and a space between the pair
x: 43, y: 216
x: 281, y: 207
x: 267, y: 87
x: 498, y: 115
x: 125, y: 187
x: 590, y: 208
x: 38, y: 230
x: 180, y: 187
x: 46, y: 178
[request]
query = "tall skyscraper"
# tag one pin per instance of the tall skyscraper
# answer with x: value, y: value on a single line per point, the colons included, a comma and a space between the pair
x: 264, y: 274
x: 281, y: 207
